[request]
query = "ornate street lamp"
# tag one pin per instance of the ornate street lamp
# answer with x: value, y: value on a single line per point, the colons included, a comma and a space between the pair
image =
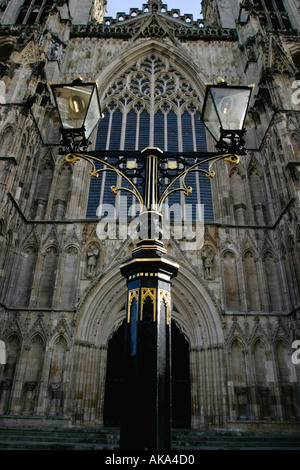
x: 224, y: 112
x: 150, y: 174
x: 79, y: 112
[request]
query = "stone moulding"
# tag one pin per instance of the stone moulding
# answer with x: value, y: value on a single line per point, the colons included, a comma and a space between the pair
x: 127, y: 32
x: 18, y: 29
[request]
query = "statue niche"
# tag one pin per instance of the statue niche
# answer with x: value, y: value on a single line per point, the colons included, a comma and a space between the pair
x: 92, y: 260
x: 208, y: 258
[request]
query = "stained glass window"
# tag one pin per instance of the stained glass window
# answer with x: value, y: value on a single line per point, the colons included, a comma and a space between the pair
x: 151, y: 104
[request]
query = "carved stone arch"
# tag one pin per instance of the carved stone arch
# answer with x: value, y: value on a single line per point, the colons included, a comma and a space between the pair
x: 31, y: 239
x: 13, y: 330
x: 139, y: 50
x: 103, y: 308
x: 258, y: 335
x: 48, y: 245
x: 230, y: 276
x: 249, y: 248
x: 284, y: 365
x: 61, y: 165
x: 101, y: 313
x: 43, y: 188
x: 290, y: 242
x: 236, y: 365
x: 232, y: 250
x: 268, y: 250
x: 283, y: 250
x: 252, y: 287
x: 10, y: 237
x: 48, y: 159
x: 236, y: 335
x: 49, y: 261
x: 237, y: 176
x: 13, y: 344
x: 182, y: 328
x: 61, y: 329
x: 33, y: 365
x: 69, y: 275
x: 26, y: 272
x: 272, y: 279
x: 280, y: 337
x: 295, y: 141
x: 235, y: 332
x: 57, y: 336
x: 236, y: 169
x: 6, y: 138
x: 254, y: 165
x: 118, y: 321
x: 37, y: 331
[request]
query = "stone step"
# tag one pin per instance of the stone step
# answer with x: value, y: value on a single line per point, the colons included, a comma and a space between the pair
x: 90, y: 436
x: 58, y: 440
x: 108, y: 438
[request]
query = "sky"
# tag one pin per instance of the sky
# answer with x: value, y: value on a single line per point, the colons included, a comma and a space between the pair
x: 191, y: 6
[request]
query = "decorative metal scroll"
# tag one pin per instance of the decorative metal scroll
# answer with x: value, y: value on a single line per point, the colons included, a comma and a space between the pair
x: 172, y: 167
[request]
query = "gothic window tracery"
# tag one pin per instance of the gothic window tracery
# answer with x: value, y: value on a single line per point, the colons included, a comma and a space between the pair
x: 152, y: 104
x: 34, y: 11
x: 272, y: 14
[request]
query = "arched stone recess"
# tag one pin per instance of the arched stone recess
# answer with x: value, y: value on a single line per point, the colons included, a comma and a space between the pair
x: 196, y: 313
x: 101, y: 308
x: 175, y: 56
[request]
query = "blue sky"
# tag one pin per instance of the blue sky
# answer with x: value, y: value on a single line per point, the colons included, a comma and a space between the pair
x: 191, y: 6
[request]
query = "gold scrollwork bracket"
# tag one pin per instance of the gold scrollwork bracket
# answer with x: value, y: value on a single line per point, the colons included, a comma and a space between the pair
x: 94, y: 173
x: 232, y: 159
x: 72, y: 158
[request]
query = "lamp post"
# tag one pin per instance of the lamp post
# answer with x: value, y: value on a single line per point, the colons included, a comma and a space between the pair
x: 146, y: 420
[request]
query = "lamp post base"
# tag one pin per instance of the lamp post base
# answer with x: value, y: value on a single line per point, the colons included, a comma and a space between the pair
x: 146, y: 417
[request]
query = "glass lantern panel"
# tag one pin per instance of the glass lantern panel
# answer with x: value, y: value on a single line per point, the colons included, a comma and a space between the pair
x: 231, y: 104
x: 72, y: 103
x: 210, y: 117
x: 93, y: 114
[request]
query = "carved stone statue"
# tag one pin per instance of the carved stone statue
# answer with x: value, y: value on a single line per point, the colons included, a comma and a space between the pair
x: 92, y: 256
x: 208, y: 263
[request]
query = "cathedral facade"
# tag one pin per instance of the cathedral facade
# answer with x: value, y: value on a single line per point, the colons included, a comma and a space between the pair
x: 235, y: 302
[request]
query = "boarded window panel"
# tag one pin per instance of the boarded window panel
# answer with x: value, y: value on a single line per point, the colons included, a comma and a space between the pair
x: 200, y: 134
x: 173, y: 147
x: 130, y: 139
x: 116, y: 129
x: 231, y: 281
x: 130, y: 130
x: 190, y: 180
x: 159, y: 139
x: 144, y: 130
x: 96, y: 183
x: 205, y: 183
x: 114, y: 144
x: 172, y: 132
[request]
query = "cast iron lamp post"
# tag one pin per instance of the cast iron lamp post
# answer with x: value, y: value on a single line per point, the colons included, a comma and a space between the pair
x: 150, y: 174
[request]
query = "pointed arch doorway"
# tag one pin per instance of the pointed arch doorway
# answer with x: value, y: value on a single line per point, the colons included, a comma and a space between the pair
x: 181, y: 388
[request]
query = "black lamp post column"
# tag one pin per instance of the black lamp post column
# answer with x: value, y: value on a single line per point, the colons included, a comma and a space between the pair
x: 146, y: 420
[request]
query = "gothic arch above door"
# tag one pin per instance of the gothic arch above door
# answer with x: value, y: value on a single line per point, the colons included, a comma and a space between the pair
x: 103, y: 309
